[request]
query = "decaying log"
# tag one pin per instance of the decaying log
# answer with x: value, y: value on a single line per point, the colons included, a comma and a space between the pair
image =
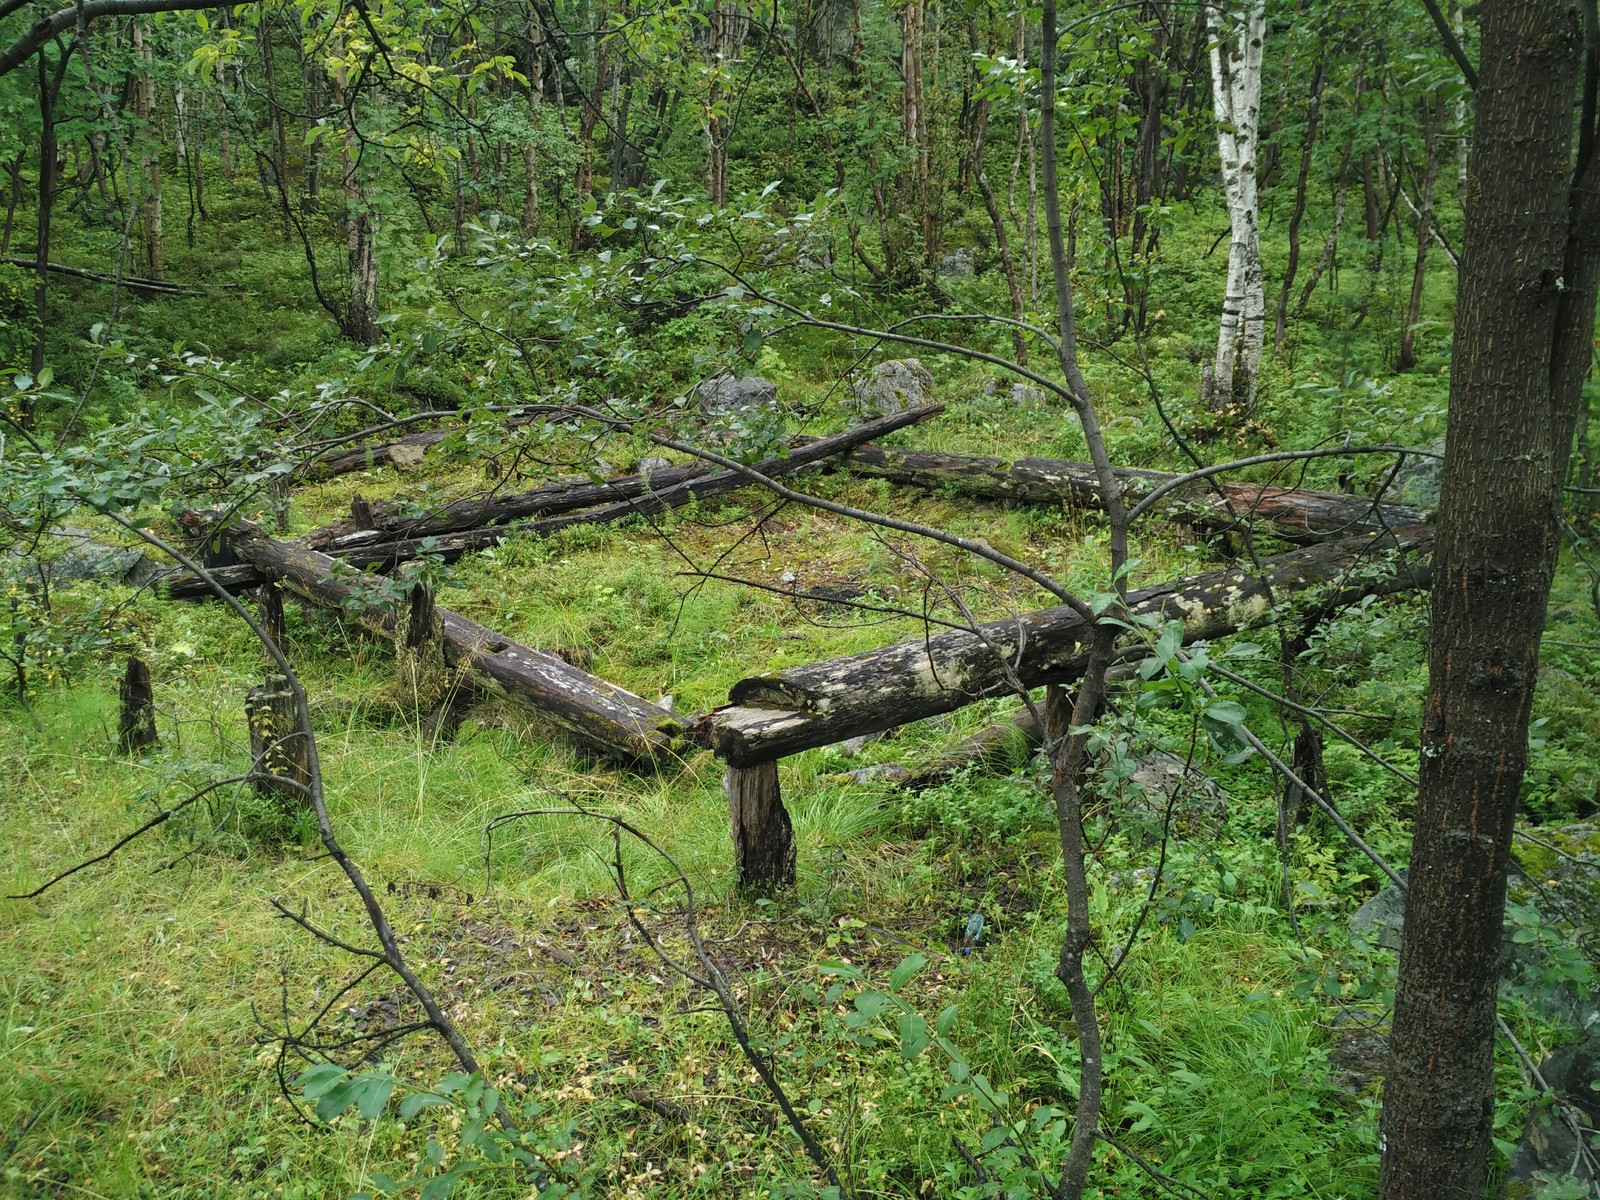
x: 280, y: 748
x: 1291, y: 514
x: 992, y: 747
x: 785, y: 712
x: 368, y: 549
x: 382, y: 521
x: 600, y: 714
x: 406, y: 451
x: 763, y: 837
x: 136, y: 722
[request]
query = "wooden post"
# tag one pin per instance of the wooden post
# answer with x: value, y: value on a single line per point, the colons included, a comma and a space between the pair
x: 136, y: 727
x: 269, y: 611
x: 361, y: 513
x: 279, y: 747
x: 424, y: 681
x: 763, y: 838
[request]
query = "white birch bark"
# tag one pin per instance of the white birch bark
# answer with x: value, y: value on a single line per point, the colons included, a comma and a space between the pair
x: 1236, y: 35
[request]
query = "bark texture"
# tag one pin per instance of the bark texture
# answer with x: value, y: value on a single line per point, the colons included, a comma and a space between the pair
x: 1525, y: 311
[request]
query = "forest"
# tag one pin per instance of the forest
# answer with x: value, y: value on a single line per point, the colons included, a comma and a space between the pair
x: 834, y: 598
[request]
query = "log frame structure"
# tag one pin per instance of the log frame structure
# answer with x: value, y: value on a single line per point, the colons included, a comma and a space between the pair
x: 774, y: 715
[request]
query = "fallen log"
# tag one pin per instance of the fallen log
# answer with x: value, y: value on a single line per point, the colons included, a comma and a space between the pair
x: 407, y: 451
x: 1291, y: 514
x: 785, y: 712
x: 387, y: 521
x: 359, y: 550
x: 599, y: 714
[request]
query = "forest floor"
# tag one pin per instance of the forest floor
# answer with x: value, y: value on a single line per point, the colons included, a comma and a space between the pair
x: 142, y: 997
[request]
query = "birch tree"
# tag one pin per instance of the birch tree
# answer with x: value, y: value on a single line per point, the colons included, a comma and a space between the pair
x: 1236, y: 37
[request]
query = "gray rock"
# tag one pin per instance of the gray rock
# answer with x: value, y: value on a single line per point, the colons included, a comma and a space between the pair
x: 856, y: 745
x: 880, y: 773
x: 1381, y: 920
x: 960, y: 263
x: 729, y: 401
x: 1417, y: 481
x: 652, y: 464
x: 891, y: 387
x: 1550, y: 1147
x: 70, y: 555
x: 1160, y: 778
x: 1026, y: 396
x: 1359, y: 1053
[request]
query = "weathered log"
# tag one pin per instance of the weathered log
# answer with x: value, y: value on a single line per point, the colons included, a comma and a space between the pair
x: 1291, y: 514
x: 992, y: 747
x: 356, y: 549
x: 383, y: 521
x: 788, y: 711
x: 280, y: 748
x: 599, y: 714
x: 763, y: 837
x: 405, y: 451
x: 136, y: 722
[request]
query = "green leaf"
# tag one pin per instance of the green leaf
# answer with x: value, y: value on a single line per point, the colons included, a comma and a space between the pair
x: 340, y: 1097
x: 947, y: 1020
x: 416, y: 1102
x: 375, y: 1093
x: 903, y: 973
x: 870, y: 1004
x: 318, y: 1080
x: 914, y: 1037
x: 1227, y: 712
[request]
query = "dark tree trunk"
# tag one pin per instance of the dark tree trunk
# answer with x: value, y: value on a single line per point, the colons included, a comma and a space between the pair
x: 1525, y: 315
x: 1419, y: 274
x: 1313, y: 110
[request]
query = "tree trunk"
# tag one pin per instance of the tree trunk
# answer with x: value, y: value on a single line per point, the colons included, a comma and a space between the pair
x: 1523, y: 338
x: 49, y: 91
x: 1236, y: 94
x: 980, y: 124
x: 1408, y: 335
x: 362, y: 549
x: 784, y: 712
x: 1313, y: 109
x: 530, y: 163
x: 359, y: 313
x: 144, y: 111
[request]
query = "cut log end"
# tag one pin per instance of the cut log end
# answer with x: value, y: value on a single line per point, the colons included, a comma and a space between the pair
x: 136, y: 724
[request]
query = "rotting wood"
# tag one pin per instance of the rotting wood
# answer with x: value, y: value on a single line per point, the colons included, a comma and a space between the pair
x: 390, y: 520
x: 136, y: 722
x: 1291, y: 514
x: 763, y: 836
x: 599, y: 714
x: 280, y: 748
x: 782, y: 713
x: 358, y: 549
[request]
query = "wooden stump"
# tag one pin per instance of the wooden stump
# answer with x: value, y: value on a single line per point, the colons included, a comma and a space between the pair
x: 136, y: 726
x: 763, y: 838
x: 280, y: 748
x: 269, y: 612
x: 424, y: 681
